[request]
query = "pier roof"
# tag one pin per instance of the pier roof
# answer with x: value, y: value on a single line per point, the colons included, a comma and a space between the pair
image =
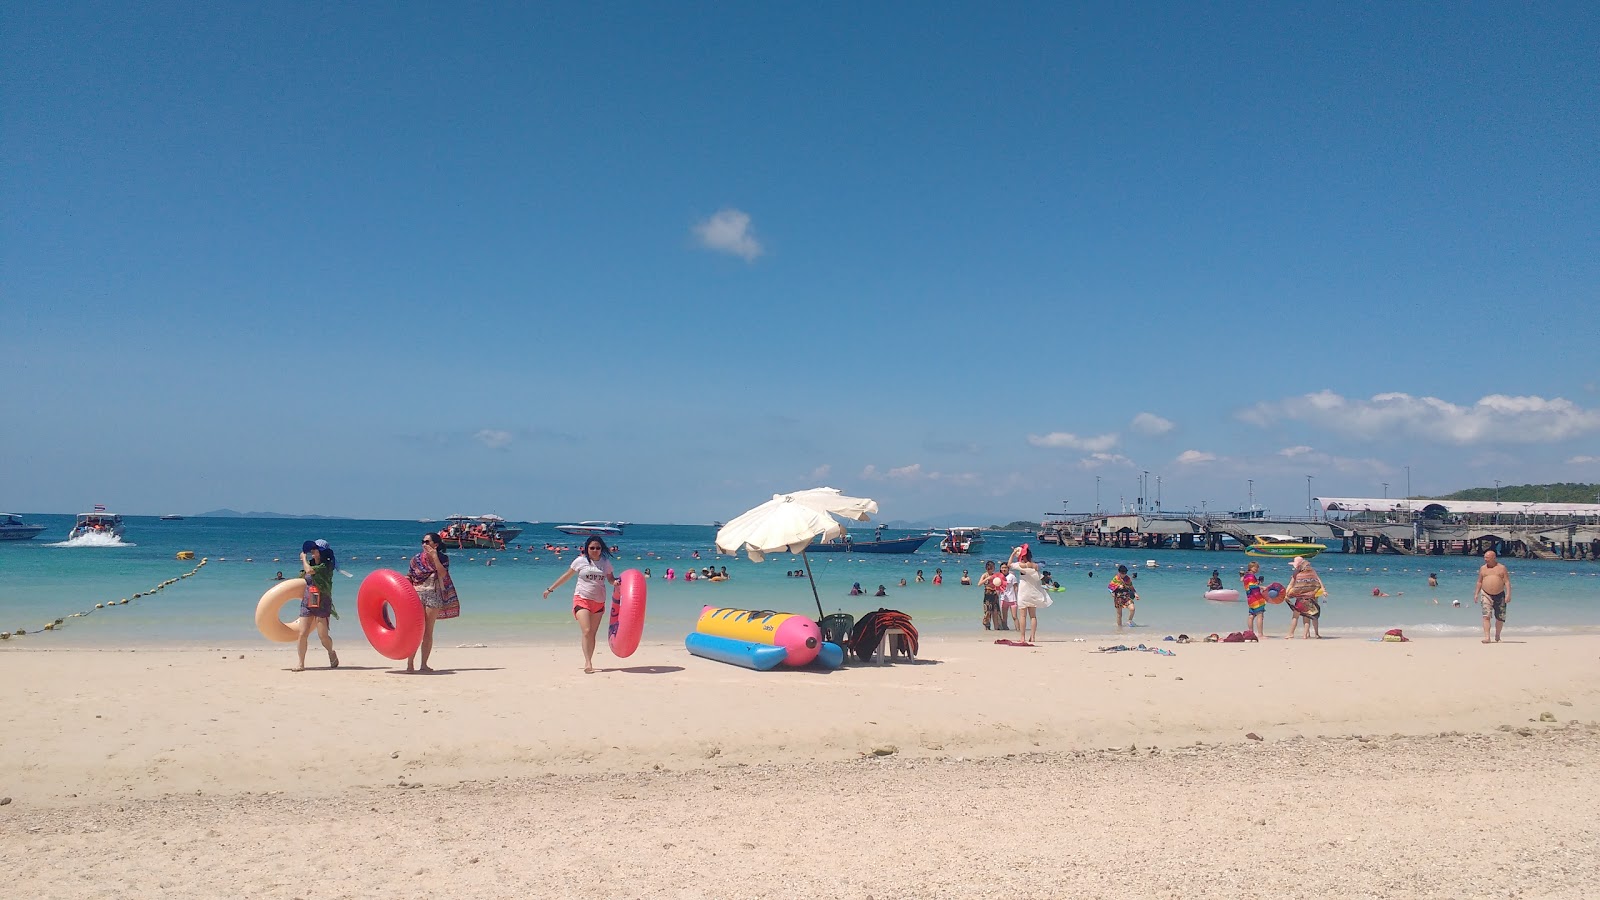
x: 1462, y: 507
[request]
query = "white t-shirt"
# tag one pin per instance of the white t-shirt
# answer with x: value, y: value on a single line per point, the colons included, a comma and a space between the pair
x: 592, y: 579
x: 1009, y: 595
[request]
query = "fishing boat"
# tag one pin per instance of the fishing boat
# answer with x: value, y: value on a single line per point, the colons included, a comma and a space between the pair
x: 604, y: 529
x: 961, y: 540
x: 12, y: 528
x: 903, y: 546
x: 97, y: 522
x: 483, y: 532
x: 1282, y: 547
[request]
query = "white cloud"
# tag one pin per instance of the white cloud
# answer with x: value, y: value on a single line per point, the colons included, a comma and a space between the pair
x: 1496, y: 418
x: 1311, y: 457
x: 493, y: 438
x: 729, y: 232
x: 1097, y: 444
x: 820, y: 473
x: 1097, y: 460
x: 1151, y: 424
x: 916, y: 473
x: 1195, y: 457
x: 1583, y: 460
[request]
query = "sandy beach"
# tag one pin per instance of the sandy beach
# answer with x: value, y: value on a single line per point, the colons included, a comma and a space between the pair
x: 1435, y: 768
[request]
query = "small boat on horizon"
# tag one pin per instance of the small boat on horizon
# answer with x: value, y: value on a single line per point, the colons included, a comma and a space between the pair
x: 172, y: 518
x: 12, y: 528
x: 591, y: 526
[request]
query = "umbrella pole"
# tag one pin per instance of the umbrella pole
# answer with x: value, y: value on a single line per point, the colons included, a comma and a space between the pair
x: 807, y: 560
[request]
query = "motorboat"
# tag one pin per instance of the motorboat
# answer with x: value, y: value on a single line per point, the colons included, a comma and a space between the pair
x: 1282, y: 547
x: 172, y: 518
x: 843, y: 544
x: 477, y: 532
x: 12, y: 528
x: 98, y: 522
x: 961, y: 540
x: 604, y: 529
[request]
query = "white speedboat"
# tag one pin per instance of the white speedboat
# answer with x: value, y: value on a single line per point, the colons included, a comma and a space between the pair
x: 99, y: 522
x: 961, y: 540
x: 604, y: 529
x: 12, y: 528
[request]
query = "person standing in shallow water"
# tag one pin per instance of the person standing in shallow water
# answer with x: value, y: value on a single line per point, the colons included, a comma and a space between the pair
x: 595, y: 576
x: 1493, y: 592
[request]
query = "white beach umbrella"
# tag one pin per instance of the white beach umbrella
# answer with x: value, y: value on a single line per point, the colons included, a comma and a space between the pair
x: 790, y: 522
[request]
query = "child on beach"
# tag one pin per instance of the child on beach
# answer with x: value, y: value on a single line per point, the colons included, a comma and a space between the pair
x: 1008, y: 597
x: 1255, y: 599
x: 1123, y: 596
x: 316, y: 603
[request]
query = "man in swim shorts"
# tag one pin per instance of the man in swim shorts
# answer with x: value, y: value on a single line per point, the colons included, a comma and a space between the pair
x: 1493, y: 592
x: 991, y: 599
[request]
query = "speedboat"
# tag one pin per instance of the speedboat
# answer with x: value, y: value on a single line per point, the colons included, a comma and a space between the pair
x: 1273, y: 547
x: 483, y: 532
x: 12, y: 528
x: 604, y: 529
x: 98, y: 522
x: 961, y: 540
x: 172, y: 518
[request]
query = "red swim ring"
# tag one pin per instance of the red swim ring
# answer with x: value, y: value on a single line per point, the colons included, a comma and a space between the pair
x: 402, y: 638
x: 627, y: 614
x: 1274, y: 593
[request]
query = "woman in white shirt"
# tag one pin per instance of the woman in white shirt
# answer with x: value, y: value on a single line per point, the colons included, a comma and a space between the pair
x: 595, y: 576
x: 1031, y: 595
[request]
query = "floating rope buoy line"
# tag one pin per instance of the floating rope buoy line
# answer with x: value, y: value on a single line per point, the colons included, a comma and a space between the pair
x: 52, y: 626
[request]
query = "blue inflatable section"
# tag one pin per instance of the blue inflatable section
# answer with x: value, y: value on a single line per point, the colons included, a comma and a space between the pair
x: 739, y: 653
x: 830, y: 656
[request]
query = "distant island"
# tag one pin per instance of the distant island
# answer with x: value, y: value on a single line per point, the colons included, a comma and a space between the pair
x: 235, y: 514
x: 1565, y: 492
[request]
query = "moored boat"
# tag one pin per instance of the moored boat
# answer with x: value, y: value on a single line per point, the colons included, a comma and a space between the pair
x: 12, y: 528
x: 905, y: 545
x: 1282, y: 549
x: 961, y: 540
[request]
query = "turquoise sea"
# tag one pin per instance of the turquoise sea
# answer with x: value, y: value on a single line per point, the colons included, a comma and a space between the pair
x: 42, y: 580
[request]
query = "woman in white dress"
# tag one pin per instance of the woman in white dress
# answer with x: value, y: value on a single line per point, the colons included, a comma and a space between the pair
x: 1031, y: 595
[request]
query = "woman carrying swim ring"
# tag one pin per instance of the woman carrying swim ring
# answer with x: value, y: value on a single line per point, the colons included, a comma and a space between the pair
x: 430, y: 575
x: 595, y: 576
x: 316, y: 604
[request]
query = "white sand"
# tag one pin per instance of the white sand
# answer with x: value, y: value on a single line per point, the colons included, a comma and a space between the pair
x: 561, y: 784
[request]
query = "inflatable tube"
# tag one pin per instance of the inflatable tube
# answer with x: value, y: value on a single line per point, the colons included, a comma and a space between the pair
x: 627, y: 614
x: 1274, y: 593
x: 798, y: 635
x: 270, y: 609
x: 749, y: 654
x: 1222, y: 594
x: 401, y: 638
x: 830, y: 655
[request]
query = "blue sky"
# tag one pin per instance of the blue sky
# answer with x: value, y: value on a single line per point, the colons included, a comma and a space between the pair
x: 607, y: 261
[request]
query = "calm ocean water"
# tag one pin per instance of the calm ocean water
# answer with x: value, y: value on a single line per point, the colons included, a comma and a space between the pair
x: 40, y: 580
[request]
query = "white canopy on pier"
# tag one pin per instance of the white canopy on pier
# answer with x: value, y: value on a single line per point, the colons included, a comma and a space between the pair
x: 1460, y: 507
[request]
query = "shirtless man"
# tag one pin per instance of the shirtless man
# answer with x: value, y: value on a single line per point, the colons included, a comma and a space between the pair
x: 1493, y: 590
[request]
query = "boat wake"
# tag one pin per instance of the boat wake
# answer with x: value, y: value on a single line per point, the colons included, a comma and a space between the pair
x: 93, y: 540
